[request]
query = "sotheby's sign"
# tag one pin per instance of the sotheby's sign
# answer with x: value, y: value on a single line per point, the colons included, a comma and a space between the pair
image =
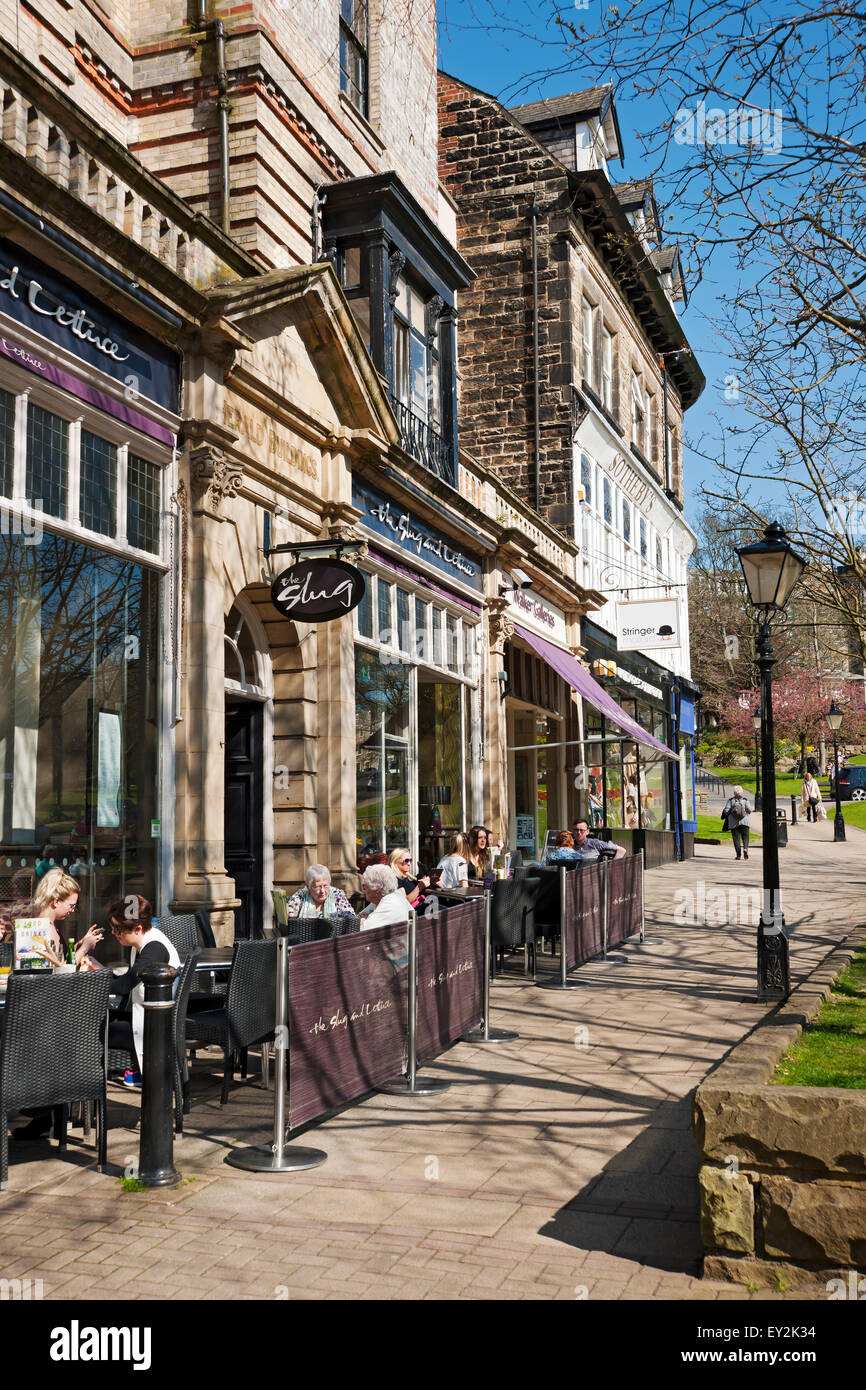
x: 317, y: 591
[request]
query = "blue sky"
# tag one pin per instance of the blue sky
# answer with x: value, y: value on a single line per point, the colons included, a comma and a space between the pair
x: 515, y: 68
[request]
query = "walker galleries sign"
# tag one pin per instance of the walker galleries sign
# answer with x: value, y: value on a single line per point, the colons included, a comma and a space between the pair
x: 317, y: 591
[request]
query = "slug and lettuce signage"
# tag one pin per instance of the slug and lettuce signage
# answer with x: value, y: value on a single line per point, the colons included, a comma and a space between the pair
x: 317, y: 591
x: 59, y: 311
x: 414, y: 536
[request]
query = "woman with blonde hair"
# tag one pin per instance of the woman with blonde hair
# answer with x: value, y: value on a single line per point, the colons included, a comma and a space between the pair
x: 453, y: 870
x: 400, y: 862
x: 55, y: 898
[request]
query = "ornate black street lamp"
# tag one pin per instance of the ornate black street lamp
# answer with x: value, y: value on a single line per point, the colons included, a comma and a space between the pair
x: 771, y: 569
x: 756, y: 725
x: 834, y: 719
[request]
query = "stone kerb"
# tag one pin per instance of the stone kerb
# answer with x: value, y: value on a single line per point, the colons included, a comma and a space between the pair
x: 783, y: 1175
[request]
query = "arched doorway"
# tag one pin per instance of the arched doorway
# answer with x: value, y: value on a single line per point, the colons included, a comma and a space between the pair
x: 248, y: 766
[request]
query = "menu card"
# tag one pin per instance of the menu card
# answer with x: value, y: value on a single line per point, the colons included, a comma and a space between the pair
x: 32, y: 935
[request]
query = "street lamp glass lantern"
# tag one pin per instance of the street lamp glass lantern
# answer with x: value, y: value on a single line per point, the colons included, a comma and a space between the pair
x: 756, y: 720
x: 834, y: 717
x: 771, y: 569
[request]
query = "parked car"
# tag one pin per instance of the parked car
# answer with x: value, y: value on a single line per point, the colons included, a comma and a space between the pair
x: 852, y: 783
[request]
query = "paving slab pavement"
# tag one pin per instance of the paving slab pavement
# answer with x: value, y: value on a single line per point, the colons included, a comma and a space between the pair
x: 559, y: 1166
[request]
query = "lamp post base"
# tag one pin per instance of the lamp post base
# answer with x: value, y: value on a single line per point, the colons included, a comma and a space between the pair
x: 838, y: 827
x: 774, y: 980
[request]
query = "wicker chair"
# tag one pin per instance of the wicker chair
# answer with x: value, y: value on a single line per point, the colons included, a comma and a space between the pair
x: 122, y: 1059
x: 52, y: 1051
x: 248, y: 1017
x: 305, y: 929
x: 181, y: 931
x: 513, y: 918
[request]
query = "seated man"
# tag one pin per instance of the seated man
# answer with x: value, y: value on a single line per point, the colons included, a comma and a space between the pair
x: 388, y: 903
x: 589, y: 849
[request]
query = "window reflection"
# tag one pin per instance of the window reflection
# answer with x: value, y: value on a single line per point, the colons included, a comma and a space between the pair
x: 78, y: 719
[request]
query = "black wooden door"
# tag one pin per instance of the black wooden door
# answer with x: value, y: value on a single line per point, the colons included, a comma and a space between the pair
x: 243, y: 813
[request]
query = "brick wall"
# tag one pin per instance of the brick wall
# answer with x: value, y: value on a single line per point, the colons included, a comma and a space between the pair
x: 148, y: 77
x: 491, y: 166
x: 493, y: 169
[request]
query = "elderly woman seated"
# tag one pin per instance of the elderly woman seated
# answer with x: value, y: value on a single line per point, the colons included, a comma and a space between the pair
x: 319, y: 898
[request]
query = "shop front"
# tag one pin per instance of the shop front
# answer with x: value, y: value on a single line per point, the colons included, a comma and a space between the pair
x: 88, y: 424
x: 540, y: 724
x: 417, y: 662
x: 630, y: 787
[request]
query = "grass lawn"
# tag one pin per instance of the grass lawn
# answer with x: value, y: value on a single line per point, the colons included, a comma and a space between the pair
x: 745, y: 777
x: 832, y: 1050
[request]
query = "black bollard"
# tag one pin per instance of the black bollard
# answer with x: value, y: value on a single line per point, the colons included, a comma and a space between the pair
x: 156, y: 1148
x: 793, y: 810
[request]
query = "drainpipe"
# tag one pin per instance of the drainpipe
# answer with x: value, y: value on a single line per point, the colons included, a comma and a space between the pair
x: 319, y: 200
x: 222, y: 78
x: 534, y: 215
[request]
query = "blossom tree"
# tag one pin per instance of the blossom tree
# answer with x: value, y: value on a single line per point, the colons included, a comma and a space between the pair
x: 800, y: 703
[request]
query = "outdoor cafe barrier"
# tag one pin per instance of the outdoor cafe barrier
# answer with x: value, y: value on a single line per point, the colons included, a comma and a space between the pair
x: 601, y: 906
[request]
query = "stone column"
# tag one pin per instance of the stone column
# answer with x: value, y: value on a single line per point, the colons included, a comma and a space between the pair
x: 201, y: 879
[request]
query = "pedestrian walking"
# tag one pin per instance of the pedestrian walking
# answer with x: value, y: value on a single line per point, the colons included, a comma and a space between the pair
x: 735, y: 817
x: 811, y: 797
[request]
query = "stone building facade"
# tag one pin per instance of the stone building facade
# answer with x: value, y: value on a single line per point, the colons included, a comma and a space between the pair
x: 575, y: 375
x: 188, y: 398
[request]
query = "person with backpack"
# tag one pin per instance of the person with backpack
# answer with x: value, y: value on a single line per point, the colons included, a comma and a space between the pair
x: 735, y: 817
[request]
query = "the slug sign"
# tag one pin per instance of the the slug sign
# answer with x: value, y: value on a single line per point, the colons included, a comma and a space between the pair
x: 317, y: 591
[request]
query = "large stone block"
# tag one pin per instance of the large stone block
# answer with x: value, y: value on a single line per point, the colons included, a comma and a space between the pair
x: 819, y: 1222
x: 806, y: 1129
x: 727, y: 1211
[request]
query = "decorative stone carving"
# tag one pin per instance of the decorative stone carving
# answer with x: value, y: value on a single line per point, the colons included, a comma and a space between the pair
x: 432, y: 315
x: 214, y: 478
x: 500, y: 626
x: 396, y: 262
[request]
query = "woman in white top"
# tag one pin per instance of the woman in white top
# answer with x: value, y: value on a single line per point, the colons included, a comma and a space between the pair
x: 453, y: 870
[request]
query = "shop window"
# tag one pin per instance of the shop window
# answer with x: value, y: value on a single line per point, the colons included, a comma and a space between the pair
x: 422, y: 641
x: 142, y: 504
x: 353, y: 52
x: 79, y: 718
x: 437, y: 616
x: 658, y: 555
x: 386, y: 626
x: 643, y: 539
x: 608, y: 503
x: 382, y: 752
x: 626, y: 523
x: 364, y: 610
x: 7, y: 442
x: 47, y: 460
x: 451, y: 642
x: 97, y: 503
x: 404, y: 625
x: 469, y: 651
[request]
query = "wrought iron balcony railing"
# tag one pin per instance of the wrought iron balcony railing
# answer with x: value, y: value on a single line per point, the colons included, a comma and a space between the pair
x: 425, y: 444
